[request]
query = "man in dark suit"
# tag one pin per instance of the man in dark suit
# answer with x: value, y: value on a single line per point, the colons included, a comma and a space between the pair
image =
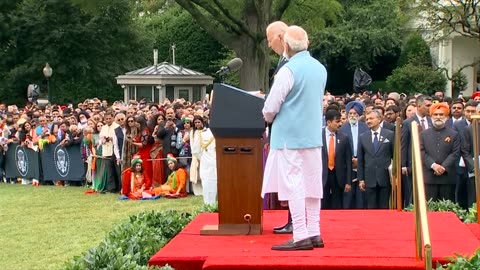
x: 353, y: 129
x: 457, y: 110
x: 440, y: 149
x: 337, y: 162
x: 424, y: 121
x: 384, y: 124
x: 275, y: 32
x: 375, y: 153
x: 119, y: 136
x: 463, y: 194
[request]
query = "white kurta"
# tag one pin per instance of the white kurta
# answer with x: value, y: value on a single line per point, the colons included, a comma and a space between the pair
x: 208, y: 167
x: 292, y: 173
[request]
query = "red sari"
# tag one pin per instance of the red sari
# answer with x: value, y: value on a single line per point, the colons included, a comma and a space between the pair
x: 136, y: 187
x: 144, y: 151
x: 158, y: 174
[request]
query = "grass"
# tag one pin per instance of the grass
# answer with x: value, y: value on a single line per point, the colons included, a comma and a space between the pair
x: 44, y: 227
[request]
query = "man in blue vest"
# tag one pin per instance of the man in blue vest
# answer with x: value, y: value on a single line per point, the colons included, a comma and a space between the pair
x: 293, y: 167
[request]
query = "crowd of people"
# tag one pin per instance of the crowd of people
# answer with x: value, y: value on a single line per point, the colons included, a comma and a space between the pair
x: 445, y: 141
x: 136, y: 149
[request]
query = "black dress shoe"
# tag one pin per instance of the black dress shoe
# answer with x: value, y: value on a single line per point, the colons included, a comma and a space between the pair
x: 305, y: 244
x: 287, y: 229
x: 317, y: 241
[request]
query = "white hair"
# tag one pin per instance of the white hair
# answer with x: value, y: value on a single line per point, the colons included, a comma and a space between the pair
x: 299, y: 43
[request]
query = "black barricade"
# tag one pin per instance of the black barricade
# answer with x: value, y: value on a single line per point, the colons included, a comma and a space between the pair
x: 62, y: 163
x: 21, y: 162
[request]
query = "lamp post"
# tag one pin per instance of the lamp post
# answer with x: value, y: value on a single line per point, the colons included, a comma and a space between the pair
x: 47, y: 72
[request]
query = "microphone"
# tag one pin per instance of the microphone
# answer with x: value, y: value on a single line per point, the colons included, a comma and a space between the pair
x: 232, y: 66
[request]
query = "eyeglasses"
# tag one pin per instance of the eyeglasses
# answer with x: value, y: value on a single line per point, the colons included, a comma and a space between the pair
x: 121, y: 119
x: 130, y: 121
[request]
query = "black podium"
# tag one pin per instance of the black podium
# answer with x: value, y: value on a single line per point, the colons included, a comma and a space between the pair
x: 237, y: 123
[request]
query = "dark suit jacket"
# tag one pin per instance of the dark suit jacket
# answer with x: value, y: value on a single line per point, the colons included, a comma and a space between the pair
x: 347, y: 130
x: 441, y: 146
x: 450, y: 123
x: 460, y: 127
x: 389, y: 126
x: 343, y: 159
x: 373, y: 166
x: 467, y: 147
x: 120, y: 139
x: 406, y: 137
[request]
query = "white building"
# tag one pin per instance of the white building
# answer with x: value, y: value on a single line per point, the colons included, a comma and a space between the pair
x: 456, y: 52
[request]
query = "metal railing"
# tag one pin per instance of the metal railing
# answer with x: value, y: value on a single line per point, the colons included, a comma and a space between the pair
x: 475, y: 119
x: 396, y: 176
x: 422, y: 231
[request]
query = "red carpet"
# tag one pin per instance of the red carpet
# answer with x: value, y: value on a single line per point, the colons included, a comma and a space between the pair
x: 370, y: 239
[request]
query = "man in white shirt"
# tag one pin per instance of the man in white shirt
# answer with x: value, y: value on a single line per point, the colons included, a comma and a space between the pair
x: 107, y: 135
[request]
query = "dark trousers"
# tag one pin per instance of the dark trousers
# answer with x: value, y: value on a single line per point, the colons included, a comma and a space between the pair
x: 461, y: 189
x: 113, y: 182
x: 471, y: 192
x: 355, y: 199
x: 407, y: 190
x: 378, y: 197
x: 332, y: 192
x: 440, y: 192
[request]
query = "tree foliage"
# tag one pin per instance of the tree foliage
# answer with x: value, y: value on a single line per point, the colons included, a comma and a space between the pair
x: 366, y: 31
x: 446, y: 17
x: 168, y: 25
x: 415, y: 51
x: 416, y: 79
x: 85, y: 51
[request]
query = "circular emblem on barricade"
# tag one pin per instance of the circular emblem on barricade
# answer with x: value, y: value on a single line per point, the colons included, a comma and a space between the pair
x: 62, y: 161
x: 21, y: 159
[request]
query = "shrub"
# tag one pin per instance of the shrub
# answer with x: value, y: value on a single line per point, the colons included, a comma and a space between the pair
x: 416, y: 79
x: 460, y: 262
x: 469, y: 216
x: 130, y: 245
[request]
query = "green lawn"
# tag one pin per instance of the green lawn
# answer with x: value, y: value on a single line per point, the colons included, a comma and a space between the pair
x: 44, y: 227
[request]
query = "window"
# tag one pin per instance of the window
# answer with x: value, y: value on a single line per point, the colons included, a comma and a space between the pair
x: 197, y: 93
x: 184, y: 93
x: 477, y: 74
x: 170, y: 93
x: 131, y: 92
x: 144, y: 91
x: 156, y: 95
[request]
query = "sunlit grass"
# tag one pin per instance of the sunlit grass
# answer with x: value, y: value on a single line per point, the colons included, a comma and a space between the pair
x: 44, y: 227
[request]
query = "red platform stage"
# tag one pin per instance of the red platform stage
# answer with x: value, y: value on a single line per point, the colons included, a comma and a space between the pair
x: 354, y: 239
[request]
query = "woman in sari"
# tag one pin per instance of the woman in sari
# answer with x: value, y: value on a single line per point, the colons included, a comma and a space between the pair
x: 135, y: 182
x: 100, y: 172
x: 129, y: 148
x: 158, y: 175
x: 144, y: 143
x: 175, y: 185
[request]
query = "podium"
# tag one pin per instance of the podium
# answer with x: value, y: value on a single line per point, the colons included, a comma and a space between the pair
x: 237, y: 123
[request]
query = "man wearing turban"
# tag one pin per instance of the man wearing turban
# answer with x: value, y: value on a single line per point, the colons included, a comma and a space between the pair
x: 352, y: 129
x: 440, y: 149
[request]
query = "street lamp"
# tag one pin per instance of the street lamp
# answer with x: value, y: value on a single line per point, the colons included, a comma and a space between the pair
x: 47, y: 72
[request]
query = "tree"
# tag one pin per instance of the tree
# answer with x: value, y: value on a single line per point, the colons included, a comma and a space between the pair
x: 86, y: 51
x: 367, y: 34
x: 416, y: 79
x: 415, y: 51
x: 367, y: 30
x: 169, y: 24
x: 447, y: 17
x: 240, y: 25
